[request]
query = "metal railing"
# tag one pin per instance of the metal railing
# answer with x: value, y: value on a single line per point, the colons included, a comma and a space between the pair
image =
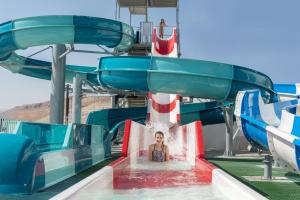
x: 168, y: 31
x: 146, y: 32
x: 8, y: 125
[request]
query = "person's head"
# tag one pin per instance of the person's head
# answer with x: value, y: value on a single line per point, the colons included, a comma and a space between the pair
x: 159, y: 137
x: 162, y: 21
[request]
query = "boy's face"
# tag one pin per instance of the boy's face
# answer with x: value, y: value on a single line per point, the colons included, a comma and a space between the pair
x: 159, y: 138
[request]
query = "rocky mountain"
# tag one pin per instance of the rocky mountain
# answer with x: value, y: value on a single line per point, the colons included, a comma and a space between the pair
x: 39, y: 112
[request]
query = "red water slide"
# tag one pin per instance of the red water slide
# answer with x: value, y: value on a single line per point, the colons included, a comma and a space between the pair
x: 126, y: 177
x: 164, y: 46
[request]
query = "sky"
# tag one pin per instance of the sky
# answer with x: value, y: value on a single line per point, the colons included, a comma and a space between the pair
x: 260, y: 34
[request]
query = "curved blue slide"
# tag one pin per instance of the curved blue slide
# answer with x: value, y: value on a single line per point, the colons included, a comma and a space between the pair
x: 48, y: 30
x: 272, y: 126
x: 215, y: 80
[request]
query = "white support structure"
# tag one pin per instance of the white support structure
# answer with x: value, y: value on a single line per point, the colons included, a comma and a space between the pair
x: 57, y: 85
x: 76, y: 103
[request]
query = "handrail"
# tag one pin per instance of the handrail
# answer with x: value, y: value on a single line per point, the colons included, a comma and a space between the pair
x: 8, y: 125
x: 281, y: 94
x: 112, y: 132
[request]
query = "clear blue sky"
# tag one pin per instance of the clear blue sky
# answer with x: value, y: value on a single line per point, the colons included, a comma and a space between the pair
x: 263, y: 35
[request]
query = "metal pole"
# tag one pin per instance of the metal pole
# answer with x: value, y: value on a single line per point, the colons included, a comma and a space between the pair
x: 268, y: 167
x: 228, y: 116
x: 119, y: 14
x: 76, y: 103
x: 67, y: 104
x: 57, y: 85
x: 146, y: 11
x: 113, y: 101
x: 116, y: 11
x: 178, y: 29
x: 130, y: 19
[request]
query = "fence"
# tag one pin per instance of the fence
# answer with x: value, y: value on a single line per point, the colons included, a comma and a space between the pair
x: 8, y: 125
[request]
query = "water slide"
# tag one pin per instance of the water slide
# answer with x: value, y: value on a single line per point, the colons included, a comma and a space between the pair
x: 272, y: 126
x: 45, y: 154
x: 47, y: 30
x: 132, y: 175
x: 210, y: 80
x: 287, y: 91
x: 186, y: 77
x: 164, y: 47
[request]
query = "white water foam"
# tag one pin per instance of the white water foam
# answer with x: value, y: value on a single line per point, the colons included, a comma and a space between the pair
x: 144, y: 164
x: 203, y: 192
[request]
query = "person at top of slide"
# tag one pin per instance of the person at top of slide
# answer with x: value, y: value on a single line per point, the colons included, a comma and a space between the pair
x: 158, y: 152
x: 162, y: 25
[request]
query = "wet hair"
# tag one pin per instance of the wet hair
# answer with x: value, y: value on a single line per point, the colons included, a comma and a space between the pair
x: 159, y: 132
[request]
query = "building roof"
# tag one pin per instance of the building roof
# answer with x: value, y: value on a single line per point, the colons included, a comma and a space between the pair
x: 138, y: 7
x: 137, y: 10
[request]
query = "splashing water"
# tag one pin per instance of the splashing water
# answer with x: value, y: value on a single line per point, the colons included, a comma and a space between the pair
x: 169, y: 135
x: 154, y: 127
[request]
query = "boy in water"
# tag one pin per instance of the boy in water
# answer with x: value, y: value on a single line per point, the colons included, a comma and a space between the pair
x: 158, y: 152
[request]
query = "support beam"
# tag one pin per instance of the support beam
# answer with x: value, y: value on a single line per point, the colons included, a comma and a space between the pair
x: 178, y: 29
x: 57, y: 85
x: 228, y: 117
x: 119, y: 14
x: 130, y: 19
x: 114, y: 101
x: 146, y: 11
x: 116, y: 11
x: 76, y: 103
x: 67, y: 104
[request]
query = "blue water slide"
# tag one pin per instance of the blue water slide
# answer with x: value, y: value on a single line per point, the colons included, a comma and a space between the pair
x: 215, y: 80
x: 48, y: 30
x: 287, y: 88
x: 271, y: 126
x: 187, y: 77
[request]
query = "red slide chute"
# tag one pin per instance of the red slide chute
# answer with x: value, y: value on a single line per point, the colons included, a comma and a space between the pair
x: 164, y: 46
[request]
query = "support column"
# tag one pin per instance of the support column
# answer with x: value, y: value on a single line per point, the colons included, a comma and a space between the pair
x: 116, y: 11
x: 268, y: 167
x: 57, y: 85
x: 119, y: 14
x: 178, y: 29
x: 67, y: 104
x: 76, y: 103
x: 228, y: 117
x: 146, y: 11
x: 114, y: 101
x: 130, y: 19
